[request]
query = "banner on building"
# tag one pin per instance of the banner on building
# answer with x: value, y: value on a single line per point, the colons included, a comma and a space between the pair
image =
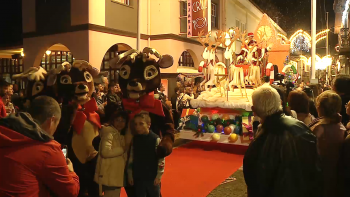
x: 198, y: 17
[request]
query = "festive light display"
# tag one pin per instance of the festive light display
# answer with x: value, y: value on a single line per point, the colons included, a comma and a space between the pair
x: 301, y: 40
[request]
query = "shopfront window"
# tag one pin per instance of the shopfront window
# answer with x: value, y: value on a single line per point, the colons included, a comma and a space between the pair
x: 10, y: 67
x: 56, y: 58
x: 186, y: 60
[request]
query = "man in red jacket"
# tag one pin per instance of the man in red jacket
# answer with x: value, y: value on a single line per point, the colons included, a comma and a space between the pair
x: 31, y: 162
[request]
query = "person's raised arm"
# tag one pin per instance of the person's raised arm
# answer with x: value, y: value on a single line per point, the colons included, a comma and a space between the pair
x: 56, y: 175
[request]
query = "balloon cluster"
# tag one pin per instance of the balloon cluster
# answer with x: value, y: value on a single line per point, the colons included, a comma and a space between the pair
x: 215, y: 124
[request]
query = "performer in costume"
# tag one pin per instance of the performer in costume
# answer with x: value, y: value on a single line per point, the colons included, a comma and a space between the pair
x: 74, y: 86
x: 139, y: 76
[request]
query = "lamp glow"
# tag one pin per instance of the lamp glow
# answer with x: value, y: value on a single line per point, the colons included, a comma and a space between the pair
x: 48, y: 52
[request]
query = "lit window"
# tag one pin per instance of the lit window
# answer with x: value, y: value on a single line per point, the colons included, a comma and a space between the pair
x: 214, y: 16
x: 126, y: 2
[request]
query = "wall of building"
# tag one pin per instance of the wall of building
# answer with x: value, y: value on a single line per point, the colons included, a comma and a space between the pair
x: 165, y: 17
x: 122, y: 17
x: 80, y: 12
x: 28, y: 16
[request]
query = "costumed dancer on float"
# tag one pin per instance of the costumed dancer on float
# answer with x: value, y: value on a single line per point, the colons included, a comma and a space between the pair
x: 139, y: 76
x: 74, y: 86
x: 255, y: 56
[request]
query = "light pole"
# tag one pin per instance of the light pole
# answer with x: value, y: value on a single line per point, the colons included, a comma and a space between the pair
x: 138, y: 26
x: 313, y: 39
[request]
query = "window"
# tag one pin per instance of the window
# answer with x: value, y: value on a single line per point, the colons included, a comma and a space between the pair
x: 238, y: 24
x: 183, y: 16
x: 126, y: 2
x: 186, y: 60
x: 243, y: 27
x: 214, y: 16
x: 56, y: 58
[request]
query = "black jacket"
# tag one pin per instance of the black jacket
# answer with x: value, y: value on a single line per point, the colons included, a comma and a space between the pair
x: 282, y: 161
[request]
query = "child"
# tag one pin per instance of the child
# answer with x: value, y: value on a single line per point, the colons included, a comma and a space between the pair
x: 112, y: 157
x: 145, y: 169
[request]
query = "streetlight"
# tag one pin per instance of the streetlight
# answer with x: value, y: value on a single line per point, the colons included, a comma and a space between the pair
x: 313, y: 40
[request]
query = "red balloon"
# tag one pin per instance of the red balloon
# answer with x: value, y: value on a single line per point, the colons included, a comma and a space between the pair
x: 219, y: 128
x: 227, y: 130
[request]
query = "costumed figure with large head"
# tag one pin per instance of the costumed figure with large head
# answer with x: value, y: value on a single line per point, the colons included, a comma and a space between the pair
x: 35, y: 78
x: 74, y: 86
x: 139, y: 76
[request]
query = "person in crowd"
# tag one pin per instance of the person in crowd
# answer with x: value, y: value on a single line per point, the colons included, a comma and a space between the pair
x: 344, y: 163
x: 112, y: 95
x: 312, y: 108
x: 176, y: 113
x: 282, y: 94
x: 112, y: 157
x: 299, y: 104
x: 10, y: 90
x: 330, y: 135
x: 4, y: 90
x: 341, y: 86
x: 160, y: 93
x: 145, y: 169
x: 32, y: 162
x: 282, y: 160
x: 8, y: 104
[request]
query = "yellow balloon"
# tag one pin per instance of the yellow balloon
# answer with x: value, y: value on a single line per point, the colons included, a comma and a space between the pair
x: 233, y: 137
x: 215, y: 137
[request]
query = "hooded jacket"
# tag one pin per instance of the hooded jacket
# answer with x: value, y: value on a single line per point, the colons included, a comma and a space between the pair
x: 32, y: 163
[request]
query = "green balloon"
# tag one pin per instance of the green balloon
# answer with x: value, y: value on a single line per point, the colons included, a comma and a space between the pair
x: 204, y: 118
x: 215, y: 116
x: 211, y: 129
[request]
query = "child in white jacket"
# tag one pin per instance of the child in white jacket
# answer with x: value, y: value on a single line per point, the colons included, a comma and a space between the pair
x: 112, y: 157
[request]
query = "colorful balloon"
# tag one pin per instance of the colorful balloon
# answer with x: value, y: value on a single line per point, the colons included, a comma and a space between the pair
x: 227, y: 130
x: 215, y: 137
x: 205, y: 118
x: 215, y: 116
x: 219, y: 128
x: 233, y: 138
x: 211, y: 129
x: 233, y: 127
x: 226, y: 117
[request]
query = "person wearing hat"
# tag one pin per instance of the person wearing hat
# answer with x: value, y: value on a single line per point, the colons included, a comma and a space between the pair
x: 4, y: 87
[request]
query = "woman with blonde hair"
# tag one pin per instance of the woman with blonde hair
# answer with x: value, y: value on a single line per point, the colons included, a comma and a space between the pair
x: 330, y: 135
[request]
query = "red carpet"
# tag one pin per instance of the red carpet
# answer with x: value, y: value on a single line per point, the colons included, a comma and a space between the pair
x: 195, y: 169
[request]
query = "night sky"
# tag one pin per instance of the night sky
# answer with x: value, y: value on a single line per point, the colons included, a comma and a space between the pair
x: 291, y: 15
x: 11, y: 23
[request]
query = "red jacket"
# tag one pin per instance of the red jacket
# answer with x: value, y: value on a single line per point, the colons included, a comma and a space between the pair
x: 31, y: 162
x: 3, y: 113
